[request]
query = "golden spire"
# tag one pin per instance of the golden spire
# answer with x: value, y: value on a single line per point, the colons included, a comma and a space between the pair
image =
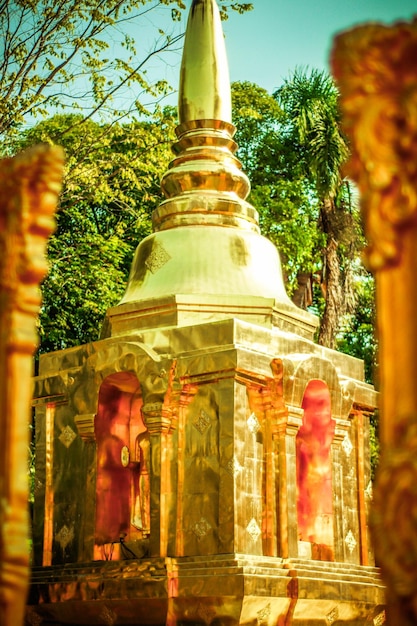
x: 206, y: 258
x: 204, y: 79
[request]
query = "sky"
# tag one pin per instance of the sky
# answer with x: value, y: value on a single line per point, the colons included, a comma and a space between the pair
x: 266, y: 44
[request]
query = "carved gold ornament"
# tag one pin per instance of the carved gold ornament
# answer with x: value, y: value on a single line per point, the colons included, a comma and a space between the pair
x: 376, y: 70
x: 375, y: 67
x: 29, y: 188
x: 394, y: 514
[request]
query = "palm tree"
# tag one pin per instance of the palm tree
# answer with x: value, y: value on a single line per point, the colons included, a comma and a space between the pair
x: 310, y: 103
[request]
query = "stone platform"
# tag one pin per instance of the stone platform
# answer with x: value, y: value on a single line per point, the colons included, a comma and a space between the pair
x: 224, y: 590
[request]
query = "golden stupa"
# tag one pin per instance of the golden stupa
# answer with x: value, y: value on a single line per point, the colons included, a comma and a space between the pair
x: 205, y: 462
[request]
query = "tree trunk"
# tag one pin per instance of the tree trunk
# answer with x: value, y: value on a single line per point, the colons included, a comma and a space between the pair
x: 332, y: 280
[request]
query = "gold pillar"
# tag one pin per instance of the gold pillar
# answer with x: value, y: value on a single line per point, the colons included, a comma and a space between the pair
x: 375, y: 67
x: 286, y: 433
x: 363, y: 479
x: 29, y: 187
x: 160, y: 420
x: 342, y: 427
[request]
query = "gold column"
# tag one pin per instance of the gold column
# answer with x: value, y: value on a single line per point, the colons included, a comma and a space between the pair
x: 341, y: 429
x: 160, y: 415
x: 29, y: 186
x: 375, y: 67
x: 160, y: 428
x: 85, y: 428
x: 187, y: 395
x: 48, y: 529
x: 285, y: 436
x: 360, y: 464
x: 266, y: 402
x: 269, y: 490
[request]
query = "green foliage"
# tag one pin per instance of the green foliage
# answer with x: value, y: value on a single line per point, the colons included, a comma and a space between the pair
x: 240, y: 7
x: 111, y: 186
x: 287, y: 208
x: 256, y: 115
x: 310, y: 102
x: 356, y: 336
x: 312, y: 127
x: 288, y: 217
x: 91, y: 275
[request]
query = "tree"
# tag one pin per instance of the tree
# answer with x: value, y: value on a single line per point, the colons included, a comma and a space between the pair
x: 312, y: 125
x: 111, y: 186
x: 256, y: 115
x: 287, y: 207
x: 294, y: 157
x: 285, y: 212
x: 356, y: 335
x: 57, y: 55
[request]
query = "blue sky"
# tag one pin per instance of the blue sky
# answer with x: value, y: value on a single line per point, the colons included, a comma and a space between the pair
x: 267, y: 43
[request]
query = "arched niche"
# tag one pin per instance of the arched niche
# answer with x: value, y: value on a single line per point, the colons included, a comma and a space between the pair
x: 314, y: 471
x: 299, y: 369
x: 122, y: 485
x: 119, y: 358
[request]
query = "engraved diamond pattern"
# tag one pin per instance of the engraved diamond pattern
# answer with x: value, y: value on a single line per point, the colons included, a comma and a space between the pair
x: 201, y: 528
x: 263, y: 615
x: 347, y: 445
x: 202, y: 422
x: 253, y: 529
x: 67, y: 436
x: 369, y: 490
x: 234, y: 467
x: 350, y: 541
x: 253, y: 423
x: 64, y: 536
x: 332, y: 616
x: 157, y: 258
x: 107, y: 616
x: 380, y: 619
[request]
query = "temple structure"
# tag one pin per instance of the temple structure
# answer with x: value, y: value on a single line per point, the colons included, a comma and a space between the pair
x: 205, y: 462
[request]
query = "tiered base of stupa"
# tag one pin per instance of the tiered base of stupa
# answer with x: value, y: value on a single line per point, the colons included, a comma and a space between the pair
x: 224, y: 590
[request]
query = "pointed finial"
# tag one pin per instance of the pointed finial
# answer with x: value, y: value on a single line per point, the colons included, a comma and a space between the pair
x: 204, y: 91
x: 205, y: 184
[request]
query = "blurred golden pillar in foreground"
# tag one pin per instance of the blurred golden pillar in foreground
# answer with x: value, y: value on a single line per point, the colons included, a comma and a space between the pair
x: 376, y: 69
x: 29, y: 187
